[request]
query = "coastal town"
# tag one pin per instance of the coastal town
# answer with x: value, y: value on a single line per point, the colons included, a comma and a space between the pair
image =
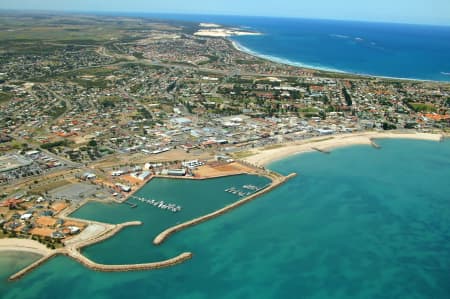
x: 93, y: 115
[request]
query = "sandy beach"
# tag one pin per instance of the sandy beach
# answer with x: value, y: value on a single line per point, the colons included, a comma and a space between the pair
x: 26, y: 245
x: 263, y: 157
x: 223, y: 32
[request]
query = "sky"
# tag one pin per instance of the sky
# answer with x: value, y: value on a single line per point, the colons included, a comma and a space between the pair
x: 436, y: 12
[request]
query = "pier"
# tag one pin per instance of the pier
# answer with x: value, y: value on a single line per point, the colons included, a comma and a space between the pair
x: 245, y: 190
x: 158, y: 204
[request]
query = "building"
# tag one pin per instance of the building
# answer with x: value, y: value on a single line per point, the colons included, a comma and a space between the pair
x: 176, y: 172
x: 192, y: 164
x: 141, y: 175
x: 89, y: 176
x: 13, y: 162
x: 26, y: 216
x: 123, y: 187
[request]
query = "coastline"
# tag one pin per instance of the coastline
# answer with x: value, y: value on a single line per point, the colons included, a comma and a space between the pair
x: 239, y: 47
x: 24, y: 245
x: 262, y: 157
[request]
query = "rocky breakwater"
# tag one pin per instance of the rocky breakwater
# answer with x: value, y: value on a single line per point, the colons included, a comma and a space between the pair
x: 277, y: 180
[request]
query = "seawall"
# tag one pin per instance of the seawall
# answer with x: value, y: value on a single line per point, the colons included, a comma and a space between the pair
x: 126, y: 268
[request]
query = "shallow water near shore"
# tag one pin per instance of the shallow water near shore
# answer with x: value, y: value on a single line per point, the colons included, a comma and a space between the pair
x: 11, y: 262
x: 358, y: 223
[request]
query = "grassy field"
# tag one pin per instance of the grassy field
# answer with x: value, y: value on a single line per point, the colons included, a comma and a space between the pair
x: 422, y: 107
x: 273, y: 146
x: 81, y: 29
x: 243, y: 154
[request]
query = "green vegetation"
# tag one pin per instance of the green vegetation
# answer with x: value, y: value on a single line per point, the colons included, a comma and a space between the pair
x: 348, y: 98
x: 3, y: 234
x: 249, y: 61
x: 273, y: 146
x: 109, y: 102
x: 388, y: 126
x: 55, y: 144
x: 422, y: 107
x: 211, y: 59
x: 321, y: 139
x: 92, y: 143
x: 95, y: 71
x: 138, y: 55
x: 243, y: 154
x: 308, y: 110
x: 5, y: 96
x: 49, y: 242
x: 145, y: 113
x: 58, y: 110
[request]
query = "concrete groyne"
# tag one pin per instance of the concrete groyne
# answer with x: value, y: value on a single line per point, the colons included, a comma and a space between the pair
x: 323, y: 151
x: 374, y: 144
x: 33, y: 266
x: 165, y: 234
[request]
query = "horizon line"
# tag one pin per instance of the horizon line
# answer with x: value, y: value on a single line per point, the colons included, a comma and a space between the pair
x: 118, y: 12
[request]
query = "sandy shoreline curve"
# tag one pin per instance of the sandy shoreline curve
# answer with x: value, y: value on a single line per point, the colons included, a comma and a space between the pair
x: 24, y: 245
x: 263, y: 157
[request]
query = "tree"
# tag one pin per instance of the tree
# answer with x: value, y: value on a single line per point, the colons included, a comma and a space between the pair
x: 92, y: 143
x: 388, y: 126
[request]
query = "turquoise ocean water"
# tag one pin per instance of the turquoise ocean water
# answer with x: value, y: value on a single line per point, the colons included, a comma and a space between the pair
x: 358, y: 223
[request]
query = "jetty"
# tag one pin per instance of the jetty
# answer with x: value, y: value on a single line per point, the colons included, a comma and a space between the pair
x: 33, y: 266
x: 132, y: 205
x: 323, y: 151
x: 159, y: 204
x: 374, y: 144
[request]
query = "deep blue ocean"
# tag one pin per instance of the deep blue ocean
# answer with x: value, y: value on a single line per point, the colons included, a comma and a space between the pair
x: 380, y: 49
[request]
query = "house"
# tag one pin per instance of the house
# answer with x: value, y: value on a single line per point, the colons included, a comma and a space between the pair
x: 89, y: 176
x: 26, y: 216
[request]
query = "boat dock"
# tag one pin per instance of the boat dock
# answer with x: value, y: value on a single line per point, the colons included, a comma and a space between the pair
x: 159, y: 204
x: 244, y: 190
